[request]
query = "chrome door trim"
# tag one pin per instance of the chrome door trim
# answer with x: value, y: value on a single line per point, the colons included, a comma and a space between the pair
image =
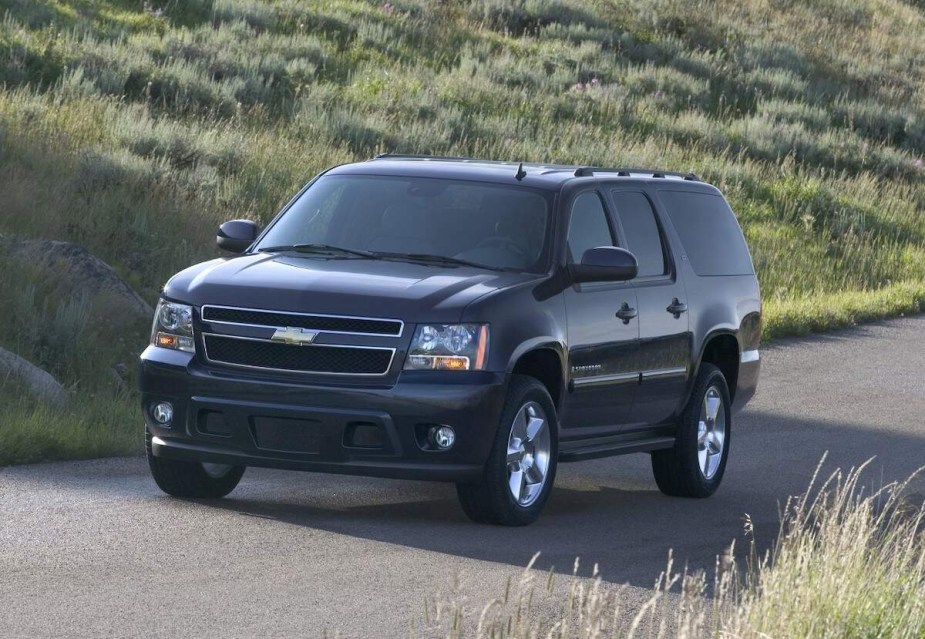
x: 664, y: 373
x: 604, y: 380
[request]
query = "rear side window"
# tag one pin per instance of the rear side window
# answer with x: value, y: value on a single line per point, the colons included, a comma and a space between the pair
x: 588, y: 227
x: 643, y: 238
x: 709, y: 232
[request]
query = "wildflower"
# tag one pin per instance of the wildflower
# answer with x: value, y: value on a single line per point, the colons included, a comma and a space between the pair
x: 594, y: 82
x: 387, y: 6
x: 578, y: 86
x: 658, y: 94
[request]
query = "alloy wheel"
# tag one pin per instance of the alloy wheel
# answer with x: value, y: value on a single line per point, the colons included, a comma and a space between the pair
x: 528, y: 451
x: 711, y: 433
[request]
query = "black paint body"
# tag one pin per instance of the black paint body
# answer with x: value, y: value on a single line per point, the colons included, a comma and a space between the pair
x: 619, y: 384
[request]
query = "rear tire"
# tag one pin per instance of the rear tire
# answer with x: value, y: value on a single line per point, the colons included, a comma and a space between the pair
x: 523, y: 460
x: 192, y: 479
x: 694, y: 467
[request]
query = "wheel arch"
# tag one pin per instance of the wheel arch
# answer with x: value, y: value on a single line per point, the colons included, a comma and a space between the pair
x: 545, y: 361
x: 722, y: 349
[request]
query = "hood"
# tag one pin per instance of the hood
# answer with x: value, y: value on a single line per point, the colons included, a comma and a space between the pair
x: 410, y: 291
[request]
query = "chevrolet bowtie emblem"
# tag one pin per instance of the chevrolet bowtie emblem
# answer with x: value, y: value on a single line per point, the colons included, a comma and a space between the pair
x: 294, y: 336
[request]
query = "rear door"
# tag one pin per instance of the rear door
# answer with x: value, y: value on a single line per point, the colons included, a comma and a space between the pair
x: 602, y: 347
x: 664, y: 328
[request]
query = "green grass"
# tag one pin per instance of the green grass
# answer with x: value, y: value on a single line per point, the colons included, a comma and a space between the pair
x: 848, y: 562
x: 134, y: 127
x: 96, y: 426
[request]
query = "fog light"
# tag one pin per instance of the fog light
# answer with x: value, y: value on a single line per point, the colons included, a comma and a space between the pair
x: 444, y: 437
x: 162, y: 413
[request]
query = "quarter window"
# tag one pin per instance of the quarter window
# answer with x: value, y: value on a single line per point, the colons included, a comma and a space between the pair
x: 709, y: 232
x: 588, y: 227
x: 643, y: 238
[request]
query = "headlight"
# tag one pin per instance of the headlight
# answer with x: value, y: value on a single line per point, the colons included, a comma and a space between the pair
x: 173, y: 327
x: 448, y: 347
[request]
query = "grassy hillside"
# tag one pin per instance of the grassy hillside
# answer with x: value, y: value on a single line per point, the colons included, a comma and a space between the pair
x: 133, y: 128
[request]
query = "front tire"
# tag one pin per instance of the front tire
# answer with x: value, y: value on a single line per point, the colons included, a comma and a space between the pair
x: 521, y: 467
x: 694, y: 467
x: 192, y: 479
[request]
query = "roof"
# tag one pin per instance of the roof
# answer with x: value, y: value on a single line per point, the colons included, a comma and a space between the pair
x: 550, y: 176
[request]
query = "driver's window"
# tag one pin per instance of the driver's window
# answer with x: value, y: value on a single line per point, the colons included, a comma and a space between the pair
x: 588, y: 227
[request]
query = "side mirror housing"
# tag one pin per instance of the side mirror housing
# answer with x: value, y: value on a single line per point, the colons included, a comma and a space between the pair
x: 605, y: 264
x: 236, y: 235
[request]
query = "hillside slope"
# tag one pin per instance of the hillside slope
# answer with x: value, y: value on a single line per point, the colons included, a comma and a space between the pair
x: 132, y: 128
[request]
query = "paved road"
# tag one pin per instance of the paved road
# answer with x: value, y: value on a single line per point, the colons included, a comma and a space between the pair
x: 92, y: 548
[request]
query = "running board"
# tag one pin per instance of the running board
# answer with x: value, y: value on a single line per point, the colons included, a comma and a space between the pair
x: 593, y: 448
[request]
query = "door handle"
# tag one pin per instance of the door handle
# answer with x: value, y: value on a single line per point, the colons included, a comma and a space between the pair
x: 676, y: 308
x: 626, y: 313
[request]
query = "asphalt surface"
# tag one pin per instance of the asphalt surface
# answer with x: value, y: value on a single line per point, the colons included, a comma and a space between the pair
x: 93, y: 549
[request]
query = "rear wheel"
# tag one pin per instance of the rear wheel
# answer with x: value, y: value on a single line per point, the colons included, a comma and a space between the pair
x: 694, y: 467
x: 192, y: 479
x: 521, y: 467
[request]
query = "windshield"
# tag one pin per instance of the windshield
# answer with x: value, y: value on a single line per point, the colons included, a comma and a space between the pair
x: 447, y: 221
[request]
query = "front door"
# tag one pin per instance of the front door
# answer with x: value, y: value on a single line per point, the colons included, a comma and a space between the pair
x: 664, y: 331
x: 603, y: 376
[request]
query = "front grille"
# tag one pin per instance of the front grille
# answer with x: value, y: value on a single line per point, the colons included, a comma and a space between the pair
x: 324, y: 323
x: 339, y: 360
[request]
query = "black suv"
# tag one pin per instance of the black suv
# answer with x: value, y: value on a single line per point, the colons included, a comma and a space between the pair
x: 460, y: 320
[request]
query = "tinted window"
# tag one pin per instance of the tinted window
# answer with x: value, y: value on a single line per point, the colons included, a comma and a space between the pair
x: 588, y: 227
x: 492, y: 225
x: 643, y: 238
x: 709, y: 232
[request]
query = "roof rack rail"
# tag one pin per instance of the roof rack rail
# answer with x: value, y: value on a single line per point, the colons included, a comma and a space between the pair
x: 586, y: 171
x: 412, y: 156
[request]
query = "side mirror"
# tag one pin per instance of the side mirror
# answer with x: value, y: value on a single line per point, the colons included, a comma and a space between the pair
x: 235, y: 236
x: 605, y: 264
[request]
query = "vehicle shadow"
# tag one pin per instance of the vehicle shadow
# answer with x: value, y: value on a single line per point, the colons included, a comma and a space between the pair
x: 607, y: 512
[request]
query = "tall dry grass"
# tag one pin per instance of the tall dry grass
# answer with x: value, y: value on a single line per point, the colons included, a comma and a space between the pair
x: 849, y: 562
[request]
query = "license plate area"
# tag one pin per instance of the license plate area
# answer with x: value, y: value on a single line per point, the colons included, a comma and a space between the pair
x: 288, y: 435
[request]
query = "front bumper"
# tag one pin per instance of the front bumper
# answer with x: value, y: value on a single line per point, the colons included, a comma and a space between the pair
x: 319, y: 420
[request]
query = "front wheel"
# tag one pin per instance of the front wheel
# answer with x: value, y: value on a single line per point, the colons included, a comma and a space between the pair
x: 192, y: 479
x: 521, y: 467
x: 694, y: 467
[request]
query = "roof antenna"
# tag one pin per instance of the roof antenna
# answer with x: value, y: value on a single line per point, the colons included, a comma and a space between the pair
x: 521, y: 174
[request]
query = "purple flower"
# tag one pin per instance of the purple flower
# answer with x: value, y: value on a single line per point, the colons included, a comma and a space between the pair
x: 578, y: 86
x: 387, y: 6
x: 595, y: 82
x: 865, y: 147
x: 918, y: 164
x: 658, y: 94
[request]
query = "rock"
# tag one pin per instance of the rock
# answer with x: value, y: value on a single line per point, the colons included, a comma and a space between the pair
x: 79, y: 272
x: 40, y: 383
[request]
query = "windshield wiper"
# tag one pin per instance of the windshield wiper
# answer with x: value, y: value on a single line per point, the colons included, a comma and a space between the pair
x: 316, y: 248
x: 436, y: 259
